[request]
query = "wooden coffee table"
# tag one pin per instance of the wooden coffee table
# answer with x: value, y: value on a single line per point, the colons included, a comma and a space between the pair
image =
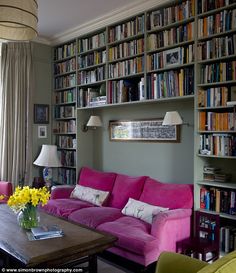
x: 79, y: 244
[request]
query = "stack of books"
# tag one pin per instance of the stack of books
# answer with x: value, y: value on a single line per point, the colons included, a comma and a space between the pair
x: 46, y: 232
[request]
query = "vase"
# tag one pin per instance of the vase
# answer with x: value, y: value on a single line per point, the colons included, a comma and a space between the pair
x: 28, y: 217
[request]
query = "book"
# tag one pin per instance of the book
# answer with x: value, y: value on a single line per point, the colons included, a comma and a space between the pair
x: 45, y: 232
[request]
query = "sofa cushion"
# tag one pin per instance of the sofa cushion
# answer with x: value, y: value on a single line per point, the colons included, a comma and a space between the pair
x: 141, y: 210
x: 64, y: 207
x: 95, y: 216
x: 97, y: 180
x: 132, y: 234
x: 125, y: 187
x: 171, y: 196
x: 93, y: 196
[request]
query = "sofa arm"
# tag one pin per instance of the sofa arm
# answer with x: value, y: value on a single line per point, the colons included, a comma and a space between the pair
x: 168, y: 215
x: 6, y: 190
x: 59, y: 192
x: 169, y: 262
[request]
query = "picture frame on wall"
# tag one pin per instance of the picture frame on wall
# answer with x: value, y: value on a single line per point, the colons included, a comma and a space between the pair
x: 172, y: 57
x: 42, y: 131
x: 41, y: 113
x: 150, y: 130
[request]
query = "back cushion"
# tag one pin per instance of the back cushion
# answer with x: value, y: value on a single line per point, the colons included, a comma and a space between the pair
x: 171, y: 196
x: 125, y: 187
x: 103, y: 181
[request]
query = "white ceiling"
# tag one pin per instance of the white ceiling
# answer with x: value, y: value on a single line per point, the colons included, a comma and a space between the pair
x: 58, y: 16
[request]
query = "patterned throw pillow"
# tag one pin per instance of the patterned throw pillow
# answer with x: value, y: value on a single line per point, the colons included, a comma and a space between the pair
x: 90, y: 195
x: 141, y: 210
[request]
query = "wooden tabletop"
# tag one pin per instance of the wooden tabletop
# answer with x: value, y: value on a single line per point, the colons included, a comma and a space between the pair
x: 78, y: 241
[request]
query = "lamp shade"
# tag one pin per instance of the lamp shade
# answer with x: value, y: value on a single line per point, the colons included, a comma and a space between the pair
x: 48, y: 157
x: 94, y: 121
x: 172, y: 118
x: 18, y: 19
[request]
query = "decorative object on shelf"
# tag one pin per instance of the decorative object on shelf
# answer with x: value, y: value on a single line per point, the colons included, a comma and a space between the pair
x: 41, y: 113
x: 93, y: 123
x: 18, y: 20
x: 42, y: 131
x: 173, y: 118
x: 143, y: 130
x: 48, y: 158
x: 172, y: 57
x: 24, y: 201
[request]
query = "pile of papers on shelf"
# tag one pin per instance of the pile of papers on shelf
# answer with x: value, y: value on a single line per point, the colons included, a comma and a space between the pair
x: 45, y: 232
x: 215, y: 174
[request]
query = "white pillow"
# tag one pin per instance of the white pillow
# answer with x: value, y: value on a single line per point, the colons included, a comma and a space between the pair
x: 141, y: 210
x: 90, y: 195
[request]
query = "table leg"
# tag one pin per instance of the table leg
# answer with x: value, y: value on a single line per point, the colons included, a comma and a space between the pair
x: 92, y: 264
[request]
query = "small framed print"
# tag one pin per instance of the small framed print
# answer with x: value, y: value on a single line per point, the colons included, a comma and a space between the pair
x: 42, y: 131
x: 172, y: 57
x: 41, y: 113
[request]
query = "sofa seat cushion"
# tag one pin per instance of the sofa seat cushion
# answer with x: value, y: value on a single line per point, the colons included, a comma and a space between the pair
x: 64, y: 207
x: 133, y: 234
x: 172, y: 196
x: 95, y: 216
x: 125, y: 187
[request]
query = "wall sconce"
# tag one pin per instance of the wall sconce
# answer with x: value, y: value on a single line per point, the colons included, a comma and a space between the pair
x: 18, y: 20
x: 173, y: 118
x: 93, y: 123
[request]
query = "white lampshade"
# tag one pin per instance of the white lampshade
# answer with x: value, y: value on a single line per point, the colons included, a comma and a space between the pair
x: 94, y: 121
x: 172, y: 118
x: 48, y: 157
x: 18, y: 19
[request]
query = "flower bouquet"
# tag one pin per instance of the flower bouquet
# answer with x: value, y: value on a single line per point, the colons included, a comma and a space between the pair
x: 24, y: 201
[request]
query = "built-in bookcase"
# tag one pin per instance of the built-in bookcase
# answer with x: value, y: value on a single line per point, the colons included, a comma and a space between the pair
x: 64, y: 110
x: 215, y: 176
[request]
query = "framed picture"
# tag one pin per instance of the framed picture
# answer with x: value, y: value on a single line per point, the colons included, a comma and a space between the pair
x: 41, y: 113
x: 172, y: 57
x: 42, y: 131
x: 143, y: 130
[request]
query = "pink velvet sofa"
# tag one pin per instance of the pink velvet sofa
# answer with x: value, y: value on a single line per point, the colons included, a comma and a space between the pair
x: 138, y: 241
x: 6, y: 190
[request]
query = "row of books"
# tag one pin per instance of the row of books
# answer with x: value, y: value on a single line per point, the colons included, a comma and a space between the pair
x: 218, y: 200
x: 166, y: 16
x: 126, y: 49
x: 64, y: 67
x: 65, y: 81
x: 217, y: 23
x: 66, y: 176
x: 217, y: 47
x: 176, y: 35
x: 218, y: 72
x: 171, y: 83
x: 66, y: 142
x: 91, y: 76
x: 65, y: 96
x: 127, y: 67
x: 217, y: 144
x: 213, y: 97
x: 227, y: 239
x: 95, y: 41
x: 207, y: 5
x: 65, y: 51
x: 92, y: 58
x: 64, y: 111
x: 127, y: 29
x: 67, y: 158
x: 212, y: 121
x: 160, y: 60
x: 65, y: 126
x: 125, y: 90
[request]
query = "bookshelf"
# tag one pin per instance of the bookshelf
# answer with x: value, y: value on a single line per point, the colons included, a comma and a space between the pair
x: 215, y: 142
x: 64, y: 110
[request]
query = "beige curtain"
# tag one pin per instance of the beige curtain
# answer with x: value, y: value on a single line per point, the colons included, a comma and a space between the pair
x: 16, y: 112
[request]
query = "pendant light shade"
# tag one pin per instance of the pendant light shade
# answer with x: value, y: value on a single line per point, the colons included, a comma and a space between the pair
x: 18, y: 19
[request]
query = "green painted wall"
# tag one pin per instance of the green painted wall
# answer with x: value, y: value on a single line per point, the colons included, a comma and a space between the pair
x: 42, y: 94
